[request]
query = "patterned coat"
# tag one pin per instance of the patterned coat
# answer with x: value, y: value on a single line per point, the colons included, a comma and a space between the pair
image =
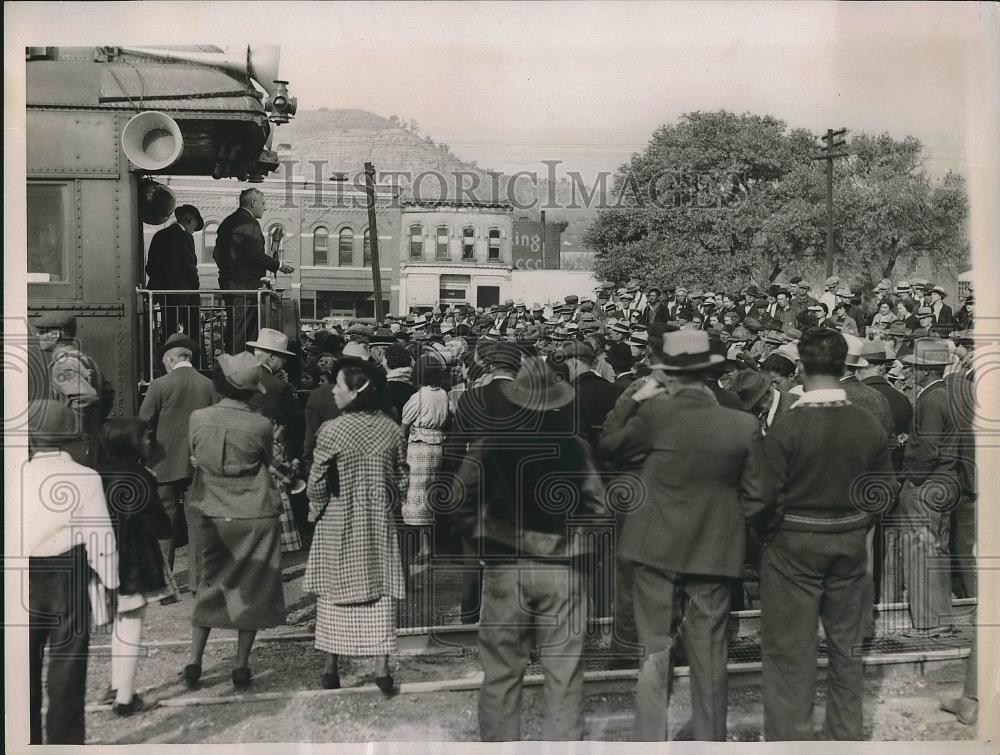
x: 356, y: 487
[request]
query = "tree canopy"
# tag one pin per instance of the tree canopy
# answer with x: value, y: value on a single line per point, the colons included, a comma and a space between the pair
x: 720, y: 199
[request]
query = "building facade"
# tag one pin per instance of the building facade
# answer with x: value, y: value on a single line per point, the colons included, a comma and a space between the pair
x: 325, y: 237
x: 454, y: 253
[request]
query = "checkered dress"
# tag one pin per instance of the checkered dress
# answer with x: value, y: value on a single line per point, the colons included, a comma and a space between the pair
x: 356, y: 486
x: 290, y: 538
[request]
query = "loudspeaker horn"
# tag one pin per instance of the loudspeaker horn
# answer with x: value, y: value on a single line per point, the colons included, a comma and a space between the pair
x: 156, y: 202
x: 152, y: 140
x: 259, y: 63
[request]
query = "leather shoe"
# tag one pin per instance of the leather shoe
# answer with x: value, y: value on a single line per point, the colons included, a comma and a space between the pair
x: 331, y: 681
x: 242, y: 678
x: 134, y: 705
x: 965, y: 709
x: 191, y: 674
x: 384, y: 683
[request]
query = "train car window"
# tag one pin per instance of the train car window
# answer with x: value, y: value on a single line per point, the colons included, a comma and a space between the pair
x: 368, y: 248
x: 321, y: 244
x: 49, y: 233
x: 211, y: 232
x: 346, y: 247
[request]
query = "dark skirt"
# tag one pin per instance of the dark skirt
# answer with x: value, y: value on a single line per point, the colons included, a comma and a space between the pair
x: 240, y: 586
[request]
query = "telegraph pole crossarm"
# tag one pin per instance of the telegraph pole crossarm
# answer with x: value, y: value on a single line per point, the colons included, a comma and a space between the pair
x: 831, y: 143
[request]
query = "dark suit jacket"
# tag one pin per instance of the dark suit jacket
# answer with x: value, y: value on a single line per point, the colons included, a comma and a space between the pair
x: 240, y: 252
x: 172, y: 263
x: 702, y: 477
x: 167, y: 408
x: 319, y: 408
x: 594, y: 398
x: 279, y: 402
x: 941, y: 447
x: 899, y: 404
x: 651, y: 314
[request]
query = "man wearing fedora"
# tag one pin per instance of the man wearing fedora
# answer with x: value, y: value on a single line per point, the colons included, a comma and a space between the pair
x: 271, y: 349
x: 939, y: 472
x: 76, y: 380
x: 533, y: 591
x: 828, y: 460
x: 172, y: 265
x: 241, y: 256
x: 167, y: 407
x: 686, y: 540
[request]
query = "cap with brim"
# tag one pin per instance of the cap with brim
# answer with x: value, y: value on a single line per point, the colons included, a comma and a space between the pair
x: 874, y: 352
x: 639, y: 338
x: 899, y: 330
x: 925, y: 312
x: 753, y: 325
x: 382, y: 337
x: 52, y: 320
x: 687, y: 351
x: 775, y: 337
x: 242, y: 371
x: 939, y: 290
x: 833, y: 280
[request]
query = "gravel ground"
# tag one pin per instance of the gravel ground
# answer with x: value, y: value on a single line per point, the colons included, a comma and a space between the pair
x: 897, y: 707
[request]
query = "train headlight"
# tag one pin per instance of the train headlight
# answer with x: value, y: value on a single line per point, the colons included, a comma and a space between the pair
x: 281, y: 105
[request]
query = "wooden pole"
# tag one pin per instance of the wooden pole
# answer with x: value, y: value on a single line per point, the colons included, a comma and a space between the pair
x: 829, y: 204
x: 373, y: 235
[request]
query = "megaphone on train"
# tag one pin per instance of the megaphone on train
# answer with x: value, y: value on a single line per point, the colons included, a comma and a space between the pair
x: 152, y: 140
x: 156, y: 202
x: 259, y: 63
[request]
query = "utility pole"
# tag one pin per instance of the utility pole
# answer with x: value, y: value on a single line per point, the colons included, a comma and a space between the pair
x: 373, y: 235
x: 831, y: 143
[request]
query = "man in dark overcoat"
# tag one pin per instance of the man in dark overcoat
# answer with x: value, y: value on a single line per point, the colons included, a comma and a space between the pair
x: 271, y: 348
x: 242, y: 260
x: 687, y: 538
x: 172, y: 265
x: 167, y: 407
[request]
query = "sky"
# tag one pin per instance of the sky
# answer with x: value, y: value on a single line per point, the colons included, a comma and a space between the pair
x: 512, y: 84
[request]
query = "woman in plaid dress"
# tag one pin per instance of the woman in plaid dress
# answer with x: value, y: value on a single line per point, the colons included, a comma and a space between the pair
x: 357, y: 484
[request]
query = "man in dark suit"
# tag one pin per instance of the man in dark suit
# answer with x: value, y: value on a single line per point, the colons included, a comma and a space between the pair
x: 271, y: 348
x: 687, y: 539
x: 172, y: 265
x: 654, y: 311
x: 167, y: 407
x: 594, y: 395
x: 243, y: 261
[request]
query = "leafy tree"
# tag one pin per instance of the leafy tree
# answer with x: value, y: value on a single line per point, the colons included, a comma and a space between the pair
x: 720, y: 199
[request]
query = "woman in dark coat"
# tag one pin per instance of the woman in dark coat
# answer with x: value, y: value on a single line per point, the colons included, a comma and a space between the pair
x: 140, y: 524
x: 356, y: 487
x: 236, y: 507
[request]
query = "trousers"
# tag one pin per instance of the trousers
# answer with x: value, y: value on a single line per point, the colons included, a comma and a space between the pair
x: 59, y: 619
x: 663, y: 601
x: 526, y: 605
x: 805, y: 577
x: 172, y: 496
x: 963, y: 538
x: 926, y: 560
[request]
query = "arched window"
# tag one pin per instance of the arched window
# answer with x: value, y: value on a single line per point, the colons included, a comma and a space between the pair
x: 211, y: 232
x: 416, y: 242
x: 468, y: 243
x: 270, y: 235
x: 346, y: 247
x: 368, y: 247
x: 441, y: 248
x: 494, y: 248
x: 321, y: 245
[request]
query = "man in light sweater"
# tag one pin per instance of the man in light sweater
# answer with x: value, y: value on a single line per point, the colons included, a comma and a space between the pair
x: 67, y: 534
x: 831, y: 472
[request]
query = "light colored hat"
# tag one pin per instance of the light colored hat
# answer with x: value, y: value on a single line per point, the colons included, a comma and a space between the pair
x: 832, y: 281
x: 930, y: 352
x: 687, y: 351
x: 242, y: 371
x: 356, y: 349
x: 271, y: 340
x: 855, y: 348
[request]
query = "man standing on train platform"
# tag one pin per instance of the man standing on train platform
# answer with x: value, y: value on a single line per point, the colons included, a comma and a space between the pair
x: 76, y: 381
x: 830, y: 471
x: 167, y: 407
x: 172, y: 265
x: 242, y: 260
x: 702, y: 482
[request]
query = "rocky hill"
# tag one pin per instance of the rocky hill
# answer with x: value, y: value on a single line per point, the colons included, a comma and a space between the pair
x: 343, y: 140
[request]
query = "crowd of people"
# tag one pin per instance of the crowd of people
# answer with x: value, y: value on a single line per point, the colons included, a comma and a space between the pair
x: 820, y: 446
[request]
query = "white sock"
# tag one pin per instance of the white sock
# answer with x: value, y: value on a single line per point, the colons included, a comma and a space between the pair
x: 126, y: 646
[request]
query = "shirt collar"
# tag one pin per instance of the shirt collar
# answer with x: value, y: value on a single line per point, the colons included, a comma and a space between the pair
x: 775, y: 401
x: 182, y: 363
x: 822, y: 396
x: 933, y: 382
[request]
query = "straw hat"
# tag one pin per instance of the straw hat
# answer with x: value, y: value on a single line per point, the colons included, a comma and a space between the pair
x: 271, y: 340
x: 687, y: 351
